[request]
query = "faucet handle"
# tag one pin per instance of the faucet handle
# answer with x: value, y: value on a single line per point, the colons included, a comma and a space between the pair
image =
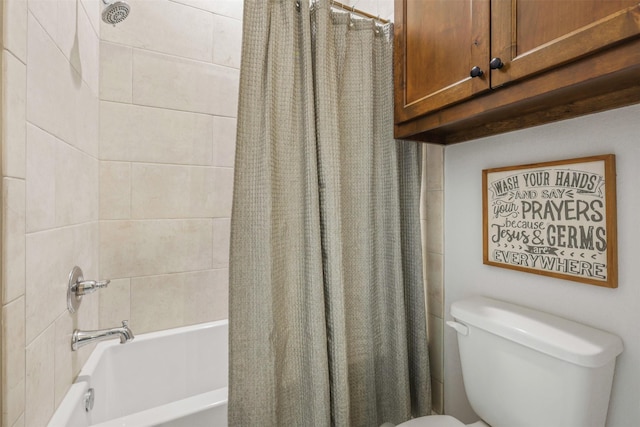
x: 79, y: 287
x: 85, y: 287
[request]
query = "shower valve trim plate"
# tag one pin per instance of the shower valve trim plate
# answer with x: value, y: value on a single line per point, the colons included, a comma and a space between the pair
x: 79, y: 287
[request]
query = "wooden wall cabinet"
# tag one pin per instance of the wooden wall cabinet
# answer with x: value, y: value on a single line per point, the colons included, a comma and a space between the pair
x: 470, y: 68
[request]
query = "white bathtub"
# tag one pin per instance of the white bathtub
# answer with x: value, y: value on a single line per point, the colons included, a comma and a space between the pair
x: 173, y: 378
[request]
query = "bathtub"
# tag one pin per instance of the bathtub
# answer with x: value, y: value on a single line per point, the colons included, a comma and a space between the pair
x: 172, y: 378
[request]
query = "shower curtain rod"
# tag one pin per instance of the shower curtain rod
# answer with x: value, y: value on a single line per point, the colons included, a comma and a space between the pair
x: 352, y: 9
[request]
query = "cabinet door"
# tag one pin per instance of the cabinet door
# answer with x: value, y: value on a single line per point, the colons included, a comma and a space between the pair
x: 531, y: 36
x: 437, y: 43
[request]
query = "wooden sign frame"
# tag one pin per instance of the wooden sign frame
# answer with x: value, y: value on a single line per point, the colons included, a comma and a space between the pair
x: 555, y: 218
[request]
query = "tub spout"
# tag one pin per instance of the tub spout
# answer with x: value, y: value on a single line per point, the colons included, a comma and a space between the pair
x: 82, y: 338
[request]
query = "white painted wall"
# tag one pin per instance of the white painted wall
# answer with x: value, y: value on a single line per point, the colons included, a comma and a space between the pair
x: 614, y: 310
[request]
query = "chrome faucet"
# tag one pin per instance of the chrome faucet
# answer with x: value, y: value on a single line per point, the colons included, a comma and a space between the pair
x: 82, y: 338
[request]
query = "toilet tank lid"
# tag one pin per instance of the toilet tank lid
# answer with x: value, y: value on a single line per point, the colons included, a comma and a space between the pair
x: 558, y: 337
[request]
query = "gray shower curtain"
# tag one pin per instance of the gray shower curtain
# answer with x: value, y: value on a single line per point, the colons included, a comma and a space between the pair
x: 326, y: 302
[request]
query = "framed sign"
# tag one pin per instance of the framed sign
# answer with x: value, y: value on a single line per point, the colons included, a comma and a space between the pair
x: 557, y: 219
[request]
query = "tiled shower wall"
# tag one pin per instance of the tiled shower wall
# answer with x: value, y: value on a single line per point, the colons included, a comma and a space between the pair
x: 166, y: 138
x: 432, y: 216
x: 168, y: 101
x: 49, y: 197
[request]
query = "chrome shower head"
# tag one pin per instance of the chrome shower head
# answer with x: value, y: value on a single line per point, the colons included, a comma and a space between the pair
x: 115, y: 11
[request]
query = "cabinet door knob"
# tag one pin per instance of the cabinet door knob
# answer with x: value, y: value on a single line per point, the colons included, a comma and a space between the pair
x: 496, y: 64
x: 476, y: 72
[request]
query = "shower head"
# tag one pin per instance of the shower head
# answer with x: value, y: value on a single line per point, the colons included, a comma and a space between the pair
x: 115, y: 11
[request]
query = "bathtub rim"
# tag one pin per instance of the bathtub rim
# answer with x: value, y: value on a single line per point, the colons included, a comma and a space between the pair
x: 90, y: 365
x: 171, y: 411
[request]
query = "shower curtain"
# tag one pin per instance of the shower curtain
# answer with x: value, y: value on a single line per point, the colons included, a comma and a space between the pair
x: 326, y: 302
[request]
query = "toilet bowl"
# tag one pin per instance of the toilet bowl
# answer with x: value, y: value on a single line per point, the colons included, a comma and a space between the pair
x: 522, y: 367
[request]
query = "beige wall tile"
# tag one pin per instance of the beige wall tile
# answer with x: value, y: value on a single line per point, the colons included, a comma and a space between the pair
x: 76, y: 185
x: 181, y: 84
x: 13, y: 361
x: 434, y: 166
x: 436, y: 345
x: 143, y: 134
x: 65, y: 359
x: 89, y: 47
x: 14, y: 28
x: 78, y: 41
x: 224, y: 141
x: 423, y: 241
x: 116, y: 62
x: 140, y: 248
x: 115, y: 303
x: 437, y: 396
x: 230, y: 8
x: 423, y: 186
x: 20, y: 422
x: 435, y: 284
x: 40, y: 368
x: 209, y: 302
x: 70, y: 28
x: 115, y: 190
x: 161, y: 302
x: 14, y: 92
x: 221, y: 240
x: 93, y: 9
x: 87, y: 118
x: 223, y: 193
x: 220, y: 293
x: 50, y: 257
x: 227, y: 41
x: 432, y: 214
x: 69, y: 13
x: 62, y: 183
x: 13, y: 240
x: 46, y: 12
x: 50, y: 106
x: 58, y: 95
x: 164, y: 26
x: 41, y: 184
x: 435, y: 224
x: 157, y: 302
x: 164, y: 191
x: 67, y: 109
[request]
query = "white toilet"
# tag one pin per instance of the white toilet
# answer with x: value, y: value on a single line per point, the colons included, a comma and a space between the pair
x: 525, y: 368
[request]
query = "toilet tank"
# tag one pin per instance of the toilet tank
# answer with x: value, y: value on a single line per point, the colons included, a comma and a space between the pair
x: 522, y: 367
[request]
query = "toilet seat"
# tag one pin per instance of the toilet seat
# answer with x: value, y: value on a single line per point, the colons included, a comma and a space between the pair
x: 433, y: 421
